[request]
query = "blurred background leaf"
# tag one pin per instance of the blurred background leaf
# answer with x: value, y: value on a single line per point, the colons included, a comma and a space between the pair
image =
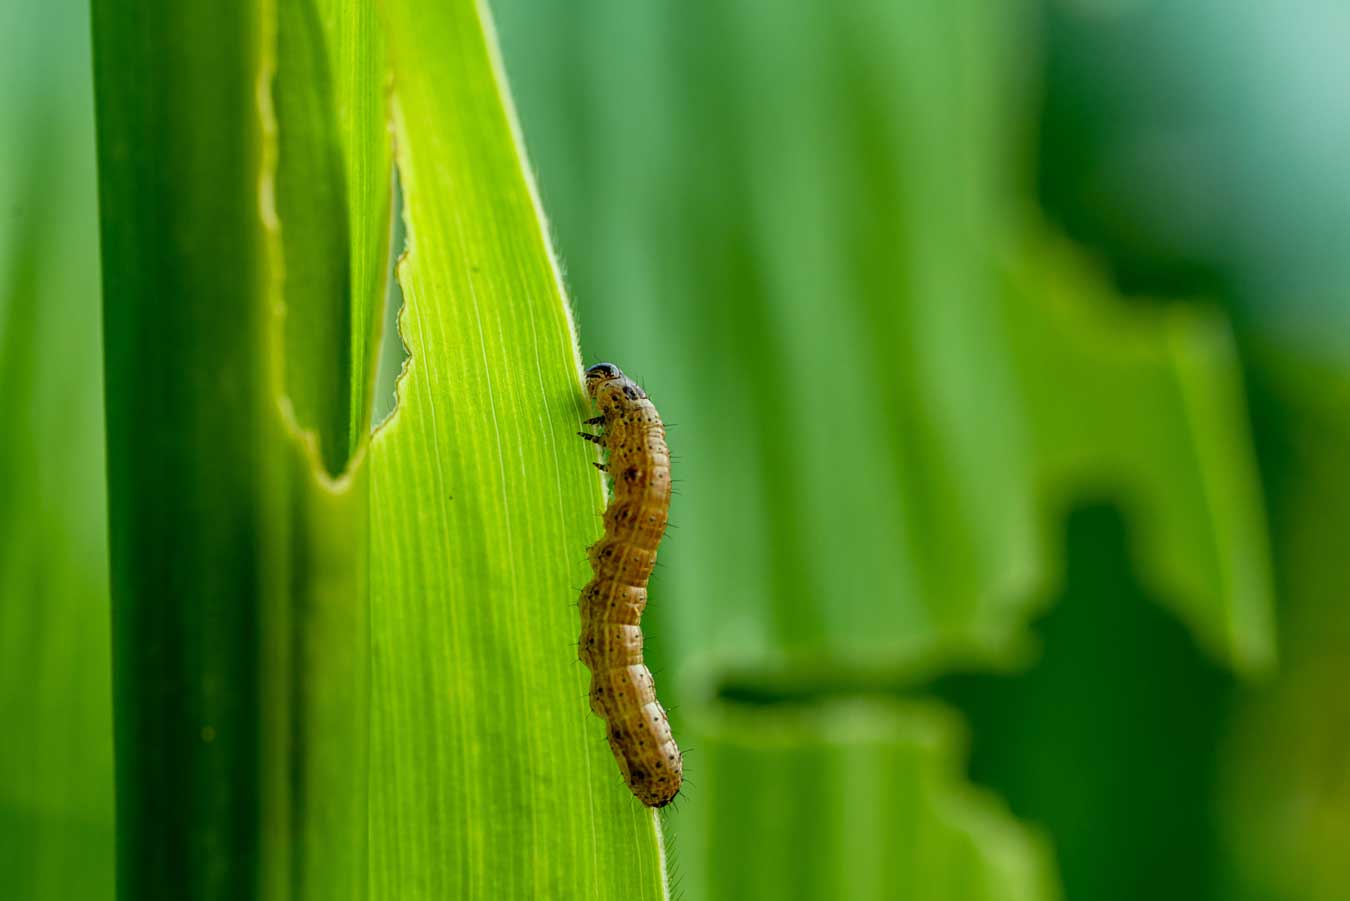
x: 56, y: 787
x: 808, y: 227
x: 1202, y: 146
x: 850, y: 798
x: 836, y: 262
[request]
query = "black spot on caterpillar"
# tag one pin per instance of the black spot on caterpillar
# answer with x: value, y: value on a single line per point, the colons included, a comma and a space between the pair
x: 622, y: 691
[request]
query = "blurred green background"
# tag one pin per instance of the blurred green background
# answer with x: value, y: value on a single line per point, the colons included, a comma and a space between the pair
x: 1006, y: 349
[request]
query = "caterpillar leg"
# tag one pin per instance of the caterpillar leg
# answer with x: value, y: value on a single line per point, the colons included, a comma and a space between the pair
x: 603, y: 467
x: 596, y: 439
x: 594, y: 420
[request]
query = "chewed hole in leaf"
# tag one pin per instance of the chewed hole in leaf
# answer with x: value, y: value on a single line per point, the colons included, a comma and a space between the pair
x: 393, y: 352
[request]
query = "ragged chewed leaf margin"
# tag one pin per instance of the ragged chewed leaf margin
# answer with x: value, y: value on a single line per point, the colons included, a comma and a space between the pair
x: 490, y: 774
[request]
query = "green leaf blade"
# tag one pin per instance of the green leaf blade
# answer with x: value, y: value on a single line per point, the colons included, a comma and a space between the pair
x: 333, y: 190
x: 492, y: 775
x: 186, y: 559
x: 857, y: 798
x: 239, y: 573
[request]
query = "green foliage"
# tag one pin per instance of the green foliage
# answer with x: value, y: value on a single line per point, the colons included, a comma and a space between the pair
x: 1144, y: 406
x: 333, y: 194
x: 241, y: 502
x: 56, y: 788
x: 491, y: 777
x: 852, y: 798
x: 804, y: 225
x: 238, y: 568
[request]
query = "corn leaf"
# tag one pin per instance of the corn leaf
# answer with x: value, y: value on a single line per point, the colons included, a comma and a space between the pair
x: 491, y: 776
x: 56, y: 762
x: 239, y: 560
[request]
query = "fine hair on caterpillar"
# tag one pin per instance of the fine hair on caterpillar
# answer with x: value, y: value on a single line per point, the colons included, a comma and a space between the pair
x: 622, y: 691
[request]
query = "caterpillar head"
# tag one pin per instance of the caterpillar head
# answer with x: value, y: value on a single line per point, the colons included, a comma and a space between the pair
x: 605, y: 381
